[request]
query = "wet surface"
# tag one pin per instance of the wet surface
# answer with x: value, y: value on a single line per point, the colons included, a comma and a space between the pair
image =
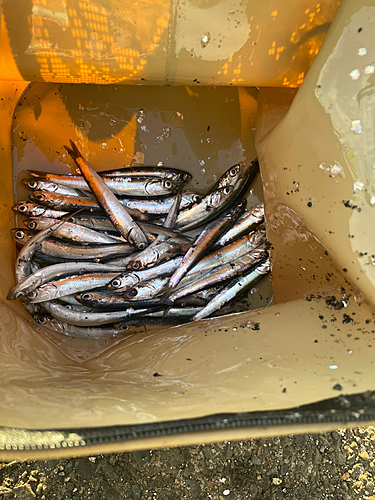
x: 336, y: 465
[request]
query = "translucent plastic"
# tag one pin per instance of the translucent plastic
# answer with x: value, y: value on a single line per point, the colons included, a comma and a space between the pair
x: 231, y: 42
x: 316, y: 151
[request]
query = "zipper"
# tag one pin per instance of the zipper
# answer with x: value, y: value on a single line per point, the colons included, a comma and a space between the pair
x: 341, y: 410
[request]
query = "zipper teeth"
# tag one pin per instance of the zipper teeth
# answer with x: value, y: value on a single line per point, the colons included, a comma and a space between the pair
x: 130, y: 433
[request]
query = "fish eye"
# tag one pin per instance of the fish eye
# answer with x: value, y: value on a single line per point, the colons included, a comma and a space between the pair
x: 32, y: 184
x: 226, y: 190
x: 31, y: 225
x: 20, y: 234
x: 86, y: 296
x: 168, y: 184
x: 233, y: 171
x: 42, y: 320
x: 22, y: 208
x: 32, y: 295
x: 20, y: 294
x: 132, y: 292
x: 136, y: 265
x: 116, y: 283
x: 39, y: 197
x: 196, y: 198
x: 141, y: 245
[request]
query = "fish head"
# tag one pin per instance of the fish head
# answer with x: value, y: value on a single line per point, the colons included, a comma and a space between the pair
x: 28, y: 208
x: 90, y: 299
x: 114, y: 284
x: 38, y: 196
x: 230, y: 177
x: 123, y: 282
x: 31, y: 183
x: 190, y: 198
x: 31, y: 224
x: 169, y: 185
x: 20, y: 235
x: 219, y: 196
x: 42, y: 319
x: 32, y: 295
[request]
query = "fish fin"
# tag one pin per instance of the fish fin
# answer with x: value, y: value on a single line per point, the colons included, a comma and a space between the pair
x: 166, y: 294
x: 166, y: 310
x: 69, y: 151
x: 73, y: 151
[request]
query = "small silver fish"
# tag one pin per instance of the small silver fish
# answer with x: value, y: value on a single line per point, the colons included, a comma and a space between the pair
x: 69, y: 285
x: 71, y: 231
x: 76, y: 318
x: 86, y: 333
x: 117, y: 214
x: 234, y: 288
x: 58, y: 250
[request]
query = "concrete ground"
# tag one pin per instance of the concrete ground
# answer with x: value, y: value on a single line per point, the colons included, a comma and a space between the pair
x: 337, y: 465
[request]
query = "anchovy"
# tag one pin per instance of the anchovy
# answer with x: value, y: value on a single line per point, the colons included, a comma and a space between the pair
x: 71, y: 231
x: 29, y: 249
x: 69, y: 286
x: 133, y: 278
x: 154, y: 207
x: 112, y: 301
x: 158, y: 253
x: 79, y: 332
x: 75, y: 318
x: 45, y: 274
x: 173, y: 316
x: 33, y: 210
x: 146, y: 290
x: 161, y: 206
x: 123, y: 186
x: 245, y: 224
x: 64, y: 202
x: 175, y: 312
x: 204, y: 242
x: 207, y: 209
x: 176, y: 175
x: 51, y: 187
x: 234, y: 288
x: 120, y: 185
x: 238, y: 266
x: 237, y: 179
x: 59, y: 250
x: 230, y: 252
x: 239, y: 176
x: 117, y: 214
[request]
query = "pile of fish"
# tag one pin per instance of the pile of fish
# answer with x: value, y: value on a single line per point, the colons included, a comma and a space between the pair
x: 105, y: 251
